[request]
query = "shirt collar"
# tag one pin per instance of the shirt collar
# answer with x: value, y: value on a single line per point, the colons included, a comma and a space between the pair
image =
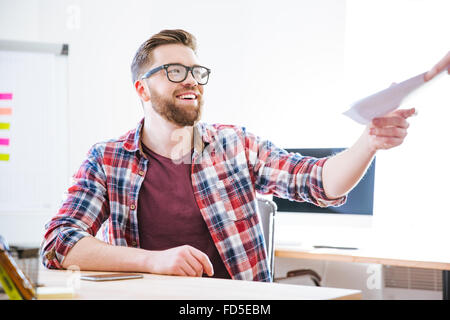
x: 203, y: 134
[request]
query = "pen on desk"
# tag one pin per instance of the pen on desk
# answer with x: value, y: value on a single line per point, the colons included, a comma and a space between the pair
x: 333, y: 247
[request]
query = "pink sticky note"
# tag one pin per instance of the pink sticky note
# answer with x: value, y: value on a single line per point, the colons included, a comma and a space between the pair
x: 5, y: 96
x: 4, y: 142
x: 5, y: 111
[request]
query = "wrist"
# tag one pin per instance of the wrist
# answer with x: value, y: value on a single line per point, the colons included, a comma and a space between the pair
x: 145, y: 261
x: 366, y: 143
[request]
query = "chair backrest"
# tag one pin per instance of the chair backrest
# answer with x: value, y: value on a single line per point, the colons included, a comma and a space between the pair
x: 266, y: 210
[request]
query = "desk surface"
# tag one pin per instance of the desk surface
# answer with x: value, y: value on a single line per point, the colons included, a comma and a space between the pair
x: 389, y: 255
x: 180, y: 288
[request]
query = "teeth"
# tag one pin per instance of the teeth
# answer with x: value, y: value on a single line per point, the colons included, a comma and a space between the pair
x: 187, y: 96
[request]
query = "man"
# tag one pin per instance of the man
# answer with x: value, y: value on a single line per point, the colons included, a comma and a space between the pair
x: 176, y: 196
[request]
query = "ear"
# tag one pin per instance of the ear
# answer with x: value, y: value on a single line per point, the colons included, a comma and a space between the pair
x: 142, y: 90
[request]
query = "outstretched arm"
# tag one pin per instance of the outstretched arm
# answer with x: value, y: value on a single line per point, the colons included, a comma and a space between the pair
x: 344, y: 170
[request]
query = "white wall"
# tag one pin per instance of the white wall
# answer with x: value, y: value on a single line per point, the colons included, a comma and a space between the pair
x: 286, y: 70
x: 270, y: 62
x: 388, y: 41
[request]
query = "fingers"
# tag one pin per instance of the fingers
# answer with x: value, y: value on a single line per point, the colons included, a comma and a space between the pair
x: 389, y: 131
x: 203, y: 260
x: 390, y: 121
x: 396, y: 118
x: 393, y: 132
x: 406, y: 113
x: 187, y: 261
x: 431, y: 74
x: 190, y: 268
x: 444, y: 63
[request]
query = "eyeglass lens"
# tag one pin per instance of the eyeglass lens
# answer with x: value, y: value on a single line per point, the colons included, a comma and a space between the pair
x: 178, y: 73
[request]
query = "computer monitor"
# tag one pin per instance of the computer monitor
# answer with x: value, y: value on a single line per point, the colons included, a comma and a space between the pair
x: 359, y: 200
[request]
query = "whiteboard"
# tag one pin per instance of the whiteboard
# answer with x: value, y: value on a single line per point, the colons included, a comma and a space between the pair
x: 33, y: 126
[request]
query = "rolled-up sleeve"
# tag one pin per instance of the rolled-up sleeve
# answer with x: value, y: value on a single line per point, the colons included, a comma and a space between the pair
x: 287, y: 175
x: 82, y: 213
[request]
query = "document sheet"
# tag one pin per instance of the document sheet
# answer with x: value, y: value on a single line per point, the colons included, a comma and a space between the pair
x: 383, y: 102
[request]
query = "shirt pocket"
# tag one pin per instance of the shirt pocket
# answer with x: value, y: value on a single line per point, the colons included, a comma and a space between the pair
x: 236, y: 198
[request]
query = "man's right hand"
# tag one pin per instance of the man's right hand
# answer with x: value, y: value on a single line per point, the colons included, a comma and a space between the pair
x: 181, y: 261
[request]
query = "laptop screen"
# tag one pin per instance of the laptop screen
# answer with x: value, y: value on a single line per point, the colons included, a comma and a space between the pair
x: 359, y: 200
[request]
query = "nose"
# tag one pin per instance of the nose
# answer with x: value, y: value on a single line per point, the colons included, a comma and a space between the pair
x: 190, y: 80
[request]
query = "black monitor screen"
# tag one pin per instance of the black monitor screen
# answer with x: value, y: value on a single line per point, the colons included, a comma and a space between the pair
x: 359, y: 200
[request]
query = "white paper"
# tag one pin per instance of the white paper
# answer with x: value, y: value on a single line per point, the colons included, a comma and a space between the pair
x: 383, y: 102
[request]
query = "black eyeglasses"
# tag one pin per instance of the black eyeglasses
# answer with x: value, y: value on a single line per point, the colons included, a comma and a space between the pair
x: 178, y: 73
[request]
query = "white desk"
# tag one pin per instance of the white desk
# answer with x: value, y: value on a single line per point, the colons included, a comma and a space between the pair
x: 159, y: 287
x: 411, y: 254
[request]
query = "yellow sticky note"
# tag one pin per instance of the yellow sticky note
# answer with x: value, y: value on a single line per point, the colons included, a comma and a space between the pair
x: 4, y: 126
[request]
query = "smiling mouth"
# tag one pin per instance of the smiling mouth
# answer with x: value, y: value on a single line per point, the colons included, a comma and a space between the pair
x: 187, y: 96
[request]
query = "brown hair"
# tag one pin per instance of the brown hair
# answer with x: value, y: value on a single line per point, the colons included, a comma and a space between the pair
x: 143, y: 54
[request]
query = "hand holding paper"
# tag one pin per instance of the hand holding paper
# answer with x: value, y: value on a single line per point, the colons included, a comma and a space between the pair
x: 383, y: 102
x: 389, y: 131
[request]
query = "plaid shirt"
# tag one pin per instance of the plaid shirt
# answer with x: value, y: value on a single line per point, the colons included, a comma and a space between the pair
x: 229, y: 165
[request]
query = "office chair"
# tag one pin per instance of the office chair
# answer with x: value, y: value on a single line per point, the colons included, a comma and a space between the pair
x: 266, y: 210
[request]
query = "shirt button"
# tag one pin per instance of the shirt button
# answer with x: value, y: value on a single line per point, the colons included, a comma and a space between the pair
x: 51, y: 254
x: 141, y: 173
x: 132, y: 207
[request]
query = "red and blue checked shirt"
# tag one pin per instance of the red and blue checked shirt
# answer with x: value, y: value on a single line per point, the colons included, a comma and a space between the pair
x: 229, y: 165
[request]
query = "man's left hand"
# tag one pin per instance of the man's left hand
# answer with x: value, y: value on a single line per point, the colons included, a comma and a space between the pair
x: 389, y: 131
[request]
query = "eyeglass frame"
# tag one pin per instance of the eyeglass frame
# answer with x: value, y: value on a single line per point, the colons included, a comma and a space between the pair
x: 151, y: 72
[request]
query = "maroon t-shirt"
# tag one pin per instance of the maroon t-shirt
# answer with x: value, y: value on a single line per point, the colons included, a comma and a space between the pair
x: 168, y: 215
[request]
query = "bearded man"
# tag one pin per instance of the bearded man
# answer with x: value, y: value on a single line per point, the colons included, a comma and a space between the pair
x: 177, y: 196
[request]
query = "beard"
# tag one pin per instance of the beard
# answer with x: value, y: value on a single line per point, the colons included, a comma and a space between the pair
x: 178, y: 114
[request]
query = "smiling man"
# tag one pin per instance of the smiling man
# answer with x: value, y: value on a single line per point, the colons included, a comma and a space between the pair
x: 177, y: 196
